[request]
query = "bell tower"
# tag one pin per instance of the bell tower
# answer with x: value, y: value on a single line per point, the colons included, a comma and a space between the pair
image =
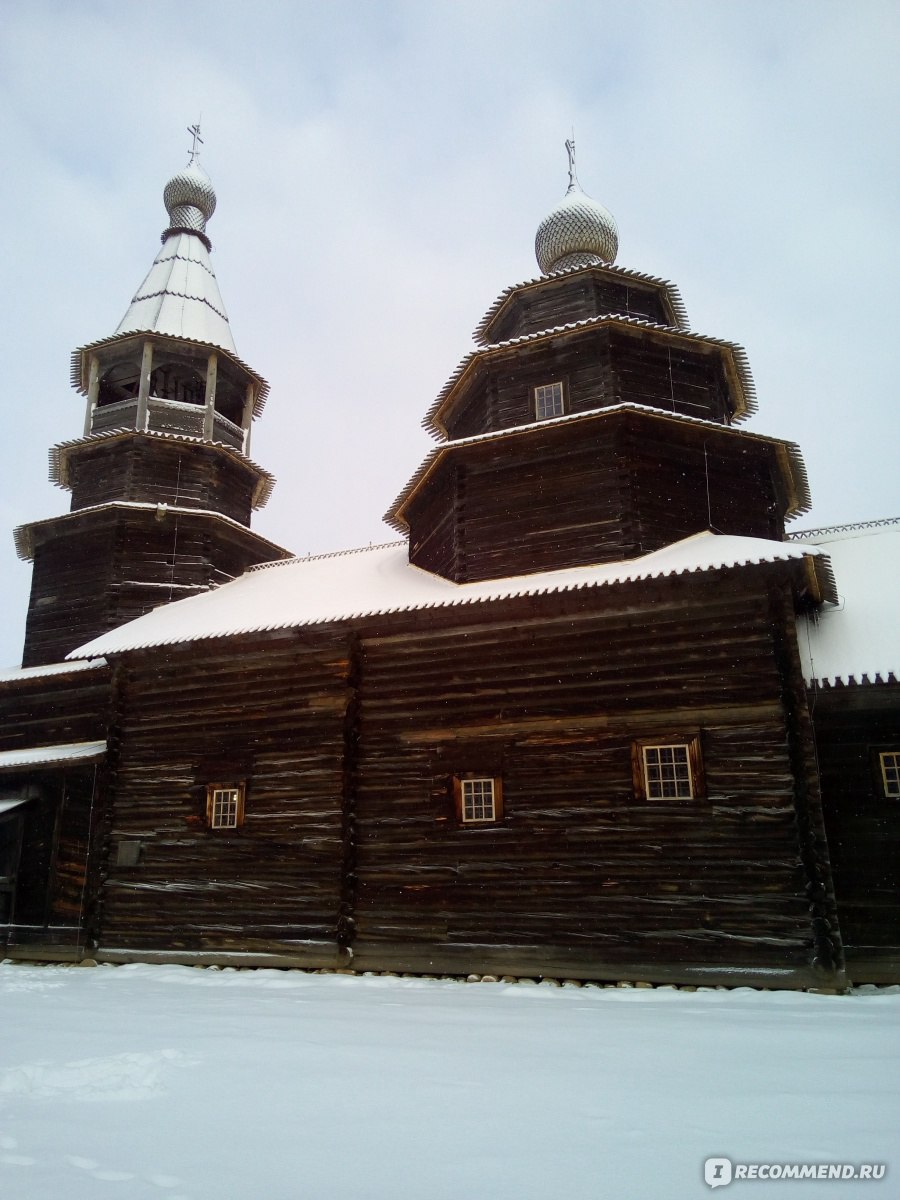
x: 161, y: 479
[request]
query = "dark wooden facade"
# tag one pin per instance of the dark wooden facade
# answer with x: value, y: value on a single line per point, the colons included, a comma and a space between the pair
x: 97, y: 568
x: 611, y: 486
x: 48, y: 836
x: 853, y: 724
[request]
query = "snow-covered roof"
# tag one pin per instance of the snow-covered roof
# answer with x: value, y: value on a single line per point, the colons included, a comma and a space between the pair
x: 795, y: 471
x: 379, y: 580
x: 745, y: 397
x: 622, y: 274
x: 180, y: 296
x: 23, y: 674
x: 856, y: 640
x: 23, y: 535
x: 39, y: 756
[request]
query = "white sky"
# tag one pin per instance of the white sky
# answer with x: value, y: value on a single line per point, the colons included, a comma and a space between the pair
x: 381, y: 169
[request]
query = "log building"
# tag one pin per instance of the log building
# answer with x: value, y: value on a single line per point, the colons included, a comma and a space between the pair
x: 595, y: 714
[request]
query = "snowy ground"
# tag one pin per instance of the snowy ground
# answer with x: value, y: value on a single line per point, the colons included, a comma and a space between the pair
x: 171, y: 1082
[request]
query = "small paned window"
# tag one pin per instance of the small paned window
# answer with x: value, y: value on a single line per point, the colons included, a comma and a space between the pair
x: 890, y: 772
x: 548, y: 401
x: 668, y: 770
x: 479, y: 801
x: 225, y: 805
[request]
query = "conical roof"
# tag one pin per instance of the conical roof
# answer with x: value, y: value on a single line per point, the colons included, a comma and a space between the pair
x: 180, y: 296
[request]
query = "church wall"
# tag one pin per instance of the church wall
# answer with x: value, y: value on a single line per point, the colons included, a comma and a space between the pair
x: 580, y: 876
x: 598, y: 369
x: 575, y: 299
x: 853, y: 723
x: 269, y: 713
x: 153, y: 471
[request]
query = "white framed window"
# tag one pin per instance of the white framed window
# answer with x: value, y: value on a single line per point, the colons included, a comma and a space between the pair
x: 225, y: 805
x: 668, y: 770
x: 890, y: 772
x: 548, y: 401
x: 479, y: 799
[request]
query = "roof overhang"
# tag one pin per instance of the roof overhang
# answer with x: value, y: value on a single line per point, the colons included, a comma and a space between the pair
x: 27, y: 537
x: 790, y: 461
x: 59, y: 457
x: 732, y: 356
x: 670, y: 294
x: 61, y: 755
x: 133, y: 340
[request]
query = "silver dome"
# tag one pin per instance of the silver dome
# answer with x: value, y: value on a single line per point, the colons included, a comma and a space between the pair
x: 190, y: 199
x: 579, y: 232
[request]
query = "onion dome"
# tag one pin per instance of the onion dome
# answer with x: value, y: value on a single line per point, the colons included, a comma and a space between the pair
x: 190, y: 199
x: 579, y: 232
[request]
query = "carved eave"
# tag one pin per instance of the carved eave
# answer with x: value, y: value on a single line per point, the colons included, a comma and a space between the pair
x: 668, y: 293
x: 787, y: 454
x: 130, y: 343
x: 59, y: 458
x: 28, y: 537
x: 733, y: 358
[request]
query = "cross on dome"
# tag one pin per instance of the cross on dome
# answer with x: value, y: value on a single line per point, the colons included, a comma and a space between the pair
x: 194, y: 131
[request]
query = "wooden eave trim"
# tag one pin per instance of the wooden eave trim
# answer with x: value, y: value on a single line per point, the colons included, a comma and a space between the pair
x: 732, y: 356
x: 26, y: 540
x: 787, y: 453
x: 80, y: 361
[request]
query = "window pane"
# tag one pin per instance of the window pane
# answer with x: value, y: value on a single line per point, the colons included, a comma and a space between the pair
x: 478, y: 800
x: 224, y: 808
x: 667, y: 773
x: 548, y: 401
x: 890, y: 772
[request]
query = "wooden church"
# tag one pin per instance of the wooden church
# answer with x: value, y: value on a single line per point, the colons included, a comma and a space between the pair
x: 593, y: 715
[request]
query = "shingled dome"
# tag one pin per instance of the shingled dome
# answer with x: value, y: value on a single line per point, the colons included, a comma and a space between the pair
x: 190, y: 199
x: 579, y: 232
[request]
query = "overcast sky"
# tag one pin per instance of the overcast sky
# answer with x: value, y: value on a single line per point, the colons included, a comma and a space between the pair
x: 381, y: 168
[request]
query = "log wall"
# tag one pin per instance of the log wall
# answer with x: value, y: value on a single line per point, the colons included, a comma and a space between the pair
x: 96, y: 570
x: 599, y: 368
x: 574, y: 298
x: 154, y: 471
x: 579, y: 875
x: 853, y: 723
x: 272, y: 714
x: 599, y: 491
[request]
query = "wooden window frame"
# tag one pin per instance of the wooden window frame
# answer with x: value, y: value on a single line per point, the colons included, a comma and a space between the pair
x: 690, y: 744
x: 555, y: 383
x: 211, y: 790
x: 459, y: 782
x: 890, y: 789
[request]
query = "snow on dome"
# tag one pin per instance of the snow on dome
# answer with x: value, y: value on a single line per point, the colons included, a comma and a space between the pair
x: 579, y: 232
x: 190, y: 199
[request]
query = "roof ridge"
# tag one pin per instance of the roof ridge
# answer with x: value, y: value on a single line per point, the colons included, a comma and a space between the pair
x: 299, y: 558
x: 803, y: 535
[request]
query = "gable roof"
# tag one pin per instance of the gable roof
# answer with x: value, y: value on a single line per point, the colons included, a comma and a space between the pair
x: 379, y: 580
